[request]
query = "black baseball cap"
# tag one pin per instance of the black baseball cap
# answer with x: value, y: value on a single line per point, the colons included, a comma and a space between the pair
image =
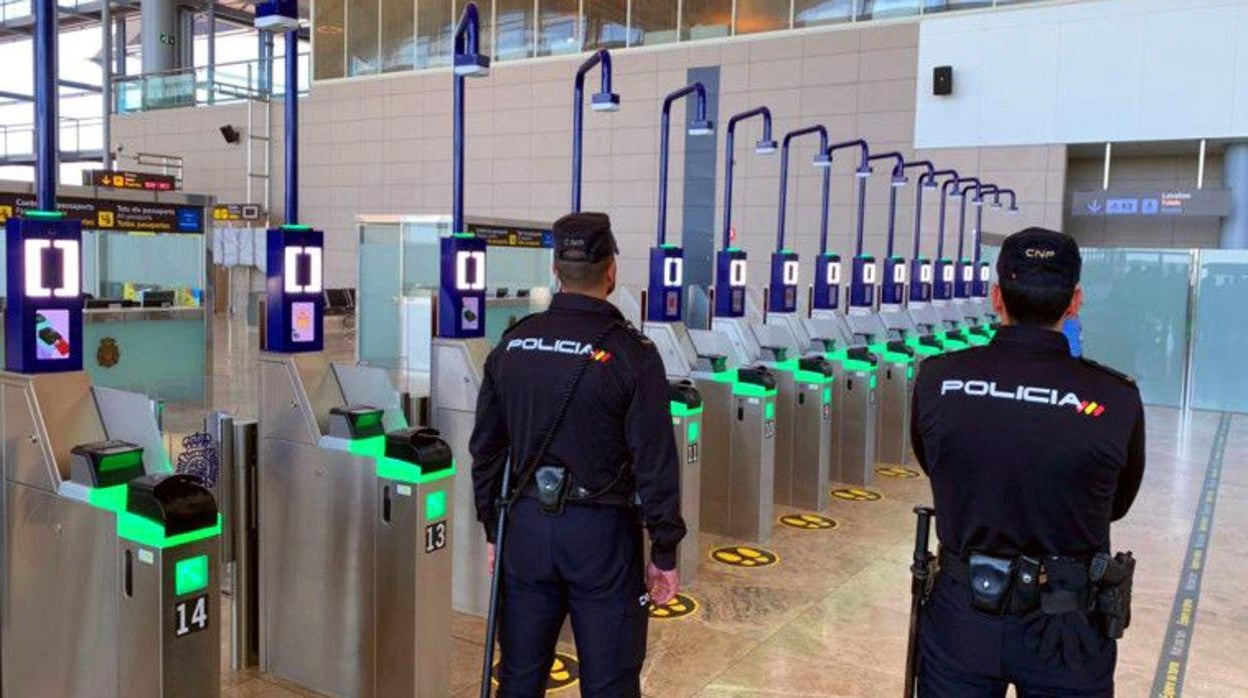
x: 584, y: 237
x: 1040, y: 257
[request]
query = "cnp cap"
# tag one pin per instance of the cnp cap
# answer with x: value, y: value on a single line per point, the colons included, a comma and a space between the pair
x: 1040, y: 257
x: 584, y: 237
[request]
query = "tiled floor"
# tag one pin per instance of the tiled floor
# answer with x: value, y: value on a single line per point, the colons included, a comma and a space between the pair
x: 830, y: 618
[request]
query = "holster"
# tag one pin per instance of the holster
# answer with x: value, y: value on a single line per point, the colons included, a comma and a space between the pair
x: 1113, y: 578
x: 551, y: 483
x: 989, y: 579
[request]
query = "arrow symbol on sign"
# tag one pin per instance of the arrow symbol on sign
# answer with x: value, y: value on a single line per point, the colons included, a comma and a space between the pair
x: 1094, y: 206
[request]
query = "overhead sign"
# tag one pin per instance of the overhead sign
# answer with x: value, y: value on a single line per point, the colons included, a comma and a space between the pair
x: 118, y: 179
x: 1188, y: 203
x: 506, y: 236
x: 237, y: 212
x: 122, y: 216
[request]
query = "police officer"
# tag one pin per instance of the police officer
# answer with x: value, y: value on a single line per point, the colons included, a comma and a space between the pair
x: 574, y: 538
x: 1031, y: 453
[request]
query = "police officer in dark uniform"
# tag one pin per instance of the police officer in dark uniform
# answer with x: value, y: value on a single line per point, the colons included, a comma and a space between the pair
x: 574, y: 537
x: 1031, y: 453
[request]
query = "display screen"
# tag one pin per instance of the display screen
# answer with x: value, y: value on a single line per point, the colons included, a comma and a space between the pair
x: 52, y: 268
x: 303, y: 269
x: 52, y: 335
x: 834, y: 273
x: 673, y: 271
x: 925, y: 273
x: 736, y: 272
x: 968, y: 273
x: 985, y: 273
x: 470, y: 271
x: 899, y: 274
x: 947, y: 275
x: 868, y: 273
x: 303, y: 322
x: 470, y: 315
x: 791, y: 271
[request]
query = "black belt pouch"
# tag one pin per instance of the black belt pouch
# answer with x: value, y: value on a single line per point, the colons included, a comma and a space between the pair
x: 990, y: 582
x: 552, y: 483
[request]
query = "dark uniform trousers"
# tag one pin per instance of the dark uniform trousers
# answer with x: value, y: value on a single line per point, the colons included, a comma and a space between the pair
x: 587, y: 561
x: 969, y: 654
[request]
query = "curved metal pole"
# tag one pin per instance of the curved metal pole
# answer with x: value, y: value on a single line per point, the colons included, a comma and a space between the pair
x: 47, y: 157
x: 977, y: 185
x: 864, y: 169
x: 601, y: 57
x: 730, y: 141
x: 784, y: 174
x: 466, y: 43
x: 292, y: 127
x: 944, y: 205
x: 928, y: 177
x: 978, y: 235
x: 899, y: 172
x: 694, y: 88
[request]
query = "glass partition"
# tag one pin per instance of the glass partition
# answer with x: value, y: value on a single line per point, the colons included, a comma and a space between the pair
x: 1135, y: 317
x: 1219, y: 379
x: 137, y: 266
x: 400, y: 267
x: 810, y: 13
x: 705, y: 19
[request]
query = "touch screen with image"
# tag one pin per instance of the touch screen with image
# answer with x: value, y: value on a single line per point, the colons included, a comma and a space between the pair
x: 52, y: 335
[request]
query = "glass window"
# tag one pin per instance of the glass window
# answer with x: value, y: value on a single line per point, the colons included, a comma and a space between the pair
x: 755, y: 16
x: 706, y: 19
x: 331, y: 16
x: 809, y: 13
x: 653, y: 22
x: 398, y: 35
x: 513, y: 28
x: 560, y: 27
x: 948, y: 5
x: 362, y: 38
x: 879, y: 9
x: 435, y: 30
x: 606, y: 24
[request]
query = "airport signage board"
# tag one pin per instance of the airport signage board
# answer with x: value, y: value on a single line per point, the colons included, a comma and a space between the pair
x: 136, y: 181
x: 1155, y: 204
x: 231, y: 213
x: 122, y: 216
x: 510, y: 236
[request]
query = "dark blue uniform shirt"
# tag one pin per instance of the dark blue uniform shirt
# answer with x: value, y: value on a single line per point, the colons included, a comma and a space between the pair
x: 619, y: 419
x: 1030, y: 450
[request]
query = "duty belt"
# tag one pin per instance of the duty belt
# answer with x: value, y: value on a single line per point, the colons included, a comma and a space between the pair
x: 998, y: 585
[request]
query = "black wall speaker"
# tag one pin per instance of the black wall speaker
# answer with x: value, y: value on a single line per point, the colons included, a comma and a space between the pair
x: 942, y: 80
x: 230, y: 134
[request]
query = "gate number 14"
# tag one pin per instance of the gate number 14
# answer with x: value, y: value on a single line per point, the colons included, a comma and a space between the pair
x: 191, y: 616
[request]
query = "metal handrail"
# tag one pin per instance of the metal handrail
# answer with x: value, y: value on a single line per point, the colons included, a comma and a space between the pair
x: 223, y: 83
x: 88, y: 129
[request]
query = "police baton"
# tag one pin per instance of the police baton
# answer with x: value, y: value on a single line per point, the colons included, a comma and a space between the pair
x: 491, y: 620
x: 920, y: 572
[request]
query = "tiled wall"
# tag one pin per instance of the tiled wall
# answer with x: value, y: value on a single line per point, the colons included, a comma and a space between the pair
x: 1155, y: 173
x: 383, y: 145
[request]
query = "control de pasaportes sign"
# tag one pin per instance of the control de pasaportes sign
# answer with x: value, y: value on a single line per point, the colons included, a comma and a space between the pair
x: 122, y: 216
x: 1194, y: 202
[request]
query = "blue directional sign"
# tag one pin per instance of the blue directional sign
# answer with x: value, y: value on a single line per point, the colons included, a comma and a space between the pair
x: 1122, y: 207
x: 1149, y: 207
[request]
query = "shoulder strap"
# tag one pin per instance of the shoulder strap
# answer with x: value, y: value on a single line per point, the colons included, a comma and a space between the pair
x: 1106, y: 369
x: 565, y: 400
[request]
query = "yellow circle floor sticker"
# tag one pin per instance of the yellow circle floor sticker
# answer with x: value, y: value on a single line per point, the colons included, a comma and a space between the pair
x: 678, y: 607
x: 809, y: 522
x: 744, y: 556
x: 897, y: 471
x: 565, y: 672
x: 856, y: 494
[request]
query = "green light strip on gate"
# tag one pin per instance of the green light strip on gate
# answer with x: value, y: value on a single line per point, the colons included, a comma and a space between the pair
x: 463, y: 235
x: 924, y: 350
x: 769, y: 412
x: 680, y: 409
x: 875, y: 380
x: 827, y: 396
x: 152, y: 533
x: 44, y: 215
x: 297, y: 228
x: 694, y: 431
x: 392, y: 468
x: 811, y: 377
x: 752, y: 390
x: 110, y: 498
x: 725, y: 376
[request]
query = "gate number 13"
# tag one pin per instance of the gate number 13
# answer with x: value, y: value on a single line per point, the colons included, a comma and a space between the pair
x: 435, y: 536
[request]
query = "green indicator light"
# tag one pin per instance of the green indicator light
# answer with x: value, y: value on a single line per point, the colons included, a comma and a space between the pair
x: 190, y: 575
x: 856, y: 365
x: 394, y: 469
x: 838, y: 355
x: 896, y: 358
x: 752, y: 390
x: 874, y: 381
x: 724, y: 376
x: 694, y: 428
x: 790, y: 365
x: 463, y: 235
x: 299, y: 228
x: 680, y: 409
x: 120, y: 461
x: 152, y: 534
x: 769, y: 411
x: 44, y: 215
x: 110, y: 498
x: 827, y: 396
x: 669, y: 246
x: 368, y: 419
x: 733, y: 249
x: 811, y: 377
x: 910, y: 372
x: 786, y: 251
x: 435, y: 505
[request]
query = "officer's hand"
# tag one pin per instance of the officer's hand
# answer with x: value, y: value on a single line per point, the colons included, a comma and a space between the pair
x: 1060, y: 631
x: 489, y: 559
x: 663, y: 585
